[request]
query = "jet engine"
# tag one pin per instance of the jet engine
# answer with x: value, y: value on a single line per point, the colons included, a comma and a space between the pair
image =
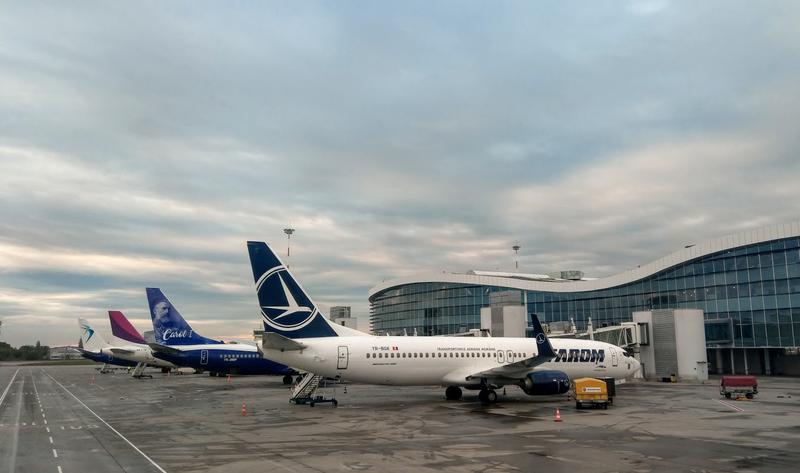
x: 545, y: 382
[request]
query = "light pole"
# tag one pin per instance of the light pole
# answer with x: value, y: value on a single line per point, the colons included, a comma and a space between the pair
x: 288, y: 232
x: 516, y: 248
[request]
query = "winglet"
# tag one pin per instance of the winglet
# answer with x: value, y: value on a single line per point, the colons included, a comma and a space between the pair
x: 542, y: 342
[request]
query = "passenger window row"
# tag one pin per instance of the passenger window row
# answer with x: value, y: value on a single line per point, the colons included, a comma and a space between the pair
x: 441, y: 355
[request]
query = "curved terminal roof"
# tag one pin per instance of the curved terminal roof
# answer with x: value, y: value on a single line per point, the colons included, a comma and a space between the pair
x: 691, y: 252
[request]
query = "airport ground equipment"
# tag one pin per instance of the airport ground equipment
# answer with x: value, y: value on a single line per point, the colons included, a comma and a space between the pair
x: 138, y: 371
x: 305, y: 392
x: 591, y: 391
x: 738, y: 386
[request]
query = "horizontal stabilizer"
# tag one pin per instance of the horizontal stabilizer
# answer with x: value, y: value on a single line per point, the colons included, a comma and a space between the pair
x: 275, y: 341
x: 159, y: 348
x: 121, y: 351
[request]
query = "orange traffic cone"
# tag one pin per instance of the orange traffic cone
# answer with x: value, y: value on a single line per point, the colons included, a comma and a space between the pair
x: 244, y: 409
x: 228, y: 379
x: 558, y: 415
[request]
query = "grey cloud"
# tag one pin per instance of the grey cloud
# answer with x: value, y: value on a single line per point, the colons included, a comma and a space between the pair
x: 395, y: 138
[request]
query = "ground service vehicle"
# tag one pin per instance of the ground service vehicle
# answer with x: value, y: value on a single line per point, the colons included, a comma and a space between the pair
x: 591, y: 391
x: 735, y: 386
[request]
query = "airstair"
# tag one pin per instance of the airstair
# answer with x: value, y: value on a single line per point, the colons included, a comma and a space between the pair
x: 138, y: 371
x: 305, y: 391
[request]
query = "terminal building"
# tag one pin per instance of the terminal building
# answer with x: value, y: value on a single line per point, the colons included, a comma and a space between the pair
x: 747, y: 285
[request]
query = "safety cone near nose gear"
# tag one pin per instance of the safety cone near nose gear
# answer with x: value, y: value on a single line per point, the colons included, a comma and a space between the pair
x: 244, y: 409
x: 228, y: 379
x: 558, y: 415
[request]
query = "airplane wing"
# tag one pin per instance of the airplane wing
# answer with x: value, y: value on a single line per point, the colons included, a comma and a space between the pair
x: 121, y: 351
x: 520, y: 369
x: 276, y: 341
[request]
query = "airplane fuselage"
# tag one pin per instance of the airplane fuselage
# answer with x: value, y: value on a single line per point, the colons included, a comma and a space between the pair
x: 422, y: 361
x: 225, y: 358
x: 102, y: 358
x: 137, y: 354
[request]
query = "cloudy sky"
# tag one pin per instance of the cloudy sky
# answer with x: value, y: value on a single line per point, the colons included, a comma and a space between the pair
x: 141, y: 144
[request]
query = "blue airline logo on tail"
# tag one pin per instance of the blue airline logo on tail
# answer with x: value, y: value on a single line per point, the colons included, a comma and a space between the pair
x: 286, y: 308
x: 87, y: 330
x: 288, y: 316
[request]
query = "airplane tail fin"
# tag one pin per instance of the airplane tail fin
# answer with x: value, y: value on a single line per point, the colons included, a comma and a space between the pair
x: 286, y: 308
x: 122, y: 328
x: 545, y: 349
x: 170, y: 328
x: 90, y: 340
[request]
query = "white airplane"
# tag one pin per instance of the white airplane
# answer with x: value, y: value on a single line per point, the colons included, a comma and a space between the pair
x: 298, y: 335
x: 129, y: 345
x: 91, y: 345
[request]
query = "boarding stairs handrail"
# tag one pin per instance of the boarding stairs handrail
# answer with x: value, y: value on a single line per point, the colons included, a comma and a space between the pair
x: 306, y: 387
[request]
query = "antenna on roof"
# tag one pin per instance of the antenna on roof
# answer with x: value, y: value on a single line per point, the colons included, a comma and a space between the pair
x: 516, y: 248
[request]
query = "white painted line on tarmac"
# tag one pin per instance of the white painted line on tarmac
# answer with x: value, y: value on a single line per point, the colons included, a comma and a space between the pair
x: 59, y: 469
x: 51, y: 440
x: 109, y: 426
x: 735, y: 408
x: 48, y: 429
x: 45, y: 421
x: 55, y: 453
x: 3, y: 396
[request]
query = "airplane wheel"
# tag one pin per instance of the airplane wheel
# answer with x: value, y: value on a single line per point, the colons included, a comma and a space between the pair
x: 299, y: 378
x: 491, y: 396
x: 311, y: 404
x: 483, y: 396
x: 287, y: 379
x: 452, y: 393
x: 335, y: 403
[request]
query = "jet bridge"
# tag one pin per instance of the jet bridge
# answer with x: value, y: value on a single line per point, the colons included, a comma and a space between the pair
x: 628, y: 335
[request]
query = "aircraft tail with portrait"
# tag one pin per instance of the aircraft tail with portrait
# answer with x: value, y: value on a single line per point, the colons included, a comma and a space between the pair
x: 169, y: 327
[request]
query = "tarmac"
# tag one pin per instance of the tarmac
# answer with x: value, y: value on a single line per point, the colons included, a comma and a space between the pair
x: 65, y: 419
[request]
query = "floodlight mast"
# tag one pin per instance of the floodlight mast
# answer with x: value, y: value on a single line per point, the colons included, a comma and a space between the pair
x: 288, y: 232
x: 516, y: 248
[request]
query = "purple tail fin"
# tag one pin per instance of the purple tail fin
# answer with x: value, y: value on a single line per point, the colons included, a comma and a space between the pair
x: 122, y: 328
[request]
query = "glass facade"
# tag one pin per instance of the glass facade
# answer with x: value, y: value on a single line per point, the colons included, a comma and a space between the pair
x: 750, y: 296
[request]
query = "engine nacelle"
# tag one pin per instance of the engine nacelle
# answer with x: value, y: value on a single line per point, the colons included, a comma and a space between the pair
x: 545, y: 382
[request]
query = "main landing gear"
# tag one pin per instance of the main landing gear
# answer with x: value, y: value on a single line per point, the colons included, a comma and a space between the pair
x: 487, y: 396
x: 452, y: 393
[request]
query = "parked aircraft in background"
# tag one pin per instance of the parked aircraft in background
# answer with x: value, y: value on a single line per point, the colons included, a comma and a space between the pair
x: 178, y: 343
x: 299, y: 335
x: 91, y: 344
x: 129, y: 345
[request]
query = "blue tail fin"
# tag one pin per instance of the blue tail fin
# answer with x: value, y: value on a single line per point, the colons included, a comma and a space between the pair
x: 545, y: 349
x: 285, y: 306
x: 168, y: 325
